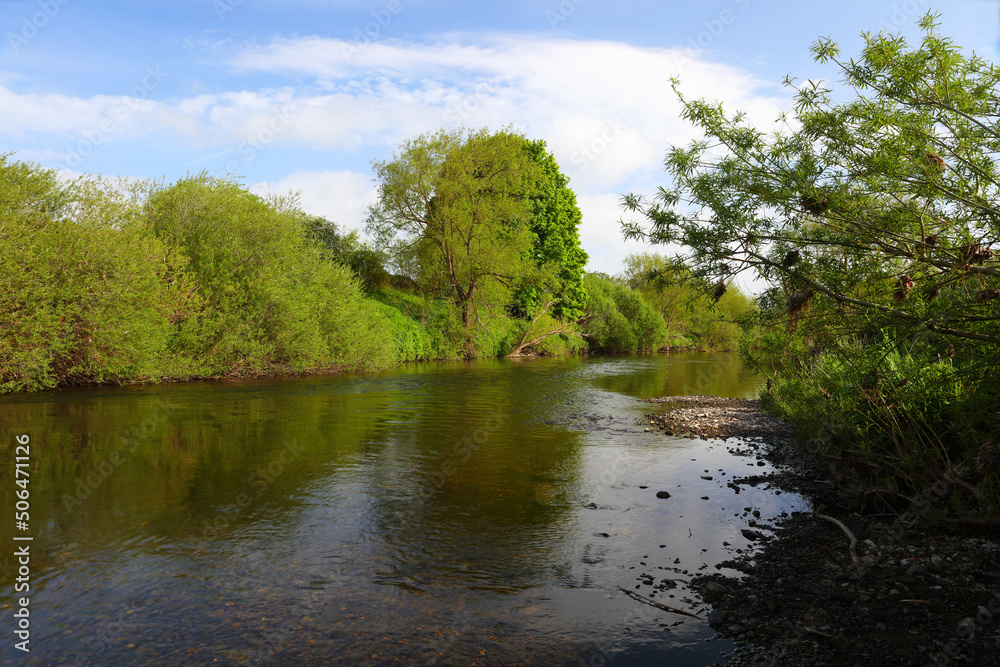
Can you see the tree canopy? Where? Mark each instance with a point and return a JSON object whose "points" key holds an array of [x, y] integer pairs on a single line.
{"points": [[555, 227], [884, 209], [485, 218], [875, 222]]}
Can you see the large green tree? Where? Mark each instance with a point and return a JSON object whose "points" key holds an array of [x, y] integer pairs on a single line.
{"points": [[486, 218], [555, 225], [875, 220]]}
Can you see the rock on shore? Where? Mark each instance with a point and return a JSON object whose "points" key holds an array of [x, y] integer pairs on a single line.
{"points": [[716, 417], [922, 596]]}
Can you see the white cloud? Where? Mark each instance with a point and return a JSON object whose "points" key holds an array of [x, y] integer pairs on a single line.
{"points": [[605, 109], [600, 233], [340, 196], [566, 91]]}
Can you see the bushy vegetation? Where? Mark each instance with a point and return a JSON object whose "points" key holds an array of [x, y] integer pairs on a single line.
{"points": [[475, 253], [693, 314], [125, 282], [267, 298], [875, 222], [619, 319], [88, 295]]}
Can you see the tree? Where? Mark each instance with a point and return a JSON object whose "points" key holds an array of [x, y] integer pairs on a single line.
{"points": [[348, 250], [696, 314], [555, 224], [461, 206], [876, 222], [619, 319], [269, 301], [875, 208]]}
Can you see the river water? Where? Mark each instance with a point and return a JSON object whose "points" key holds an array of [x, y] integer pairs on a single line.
{"points": [[481, 513]]}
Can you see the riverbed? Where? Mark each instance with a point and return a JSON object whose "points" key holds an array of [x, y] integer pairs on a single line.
{"points": [[476, 513]]}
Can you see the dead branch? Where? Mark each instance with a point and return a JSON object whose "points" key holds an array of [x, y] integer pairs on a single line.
{"points": [[656, 604], [853, 549], [566, 327]]}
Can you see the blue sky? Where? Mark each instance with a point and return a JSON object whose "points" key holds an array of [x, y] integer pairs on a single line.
{"points": [[301, 95]]}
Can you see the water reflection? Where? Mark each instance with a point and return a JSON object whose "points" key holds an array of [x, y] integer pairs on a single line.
{"points": [[471, 513]]}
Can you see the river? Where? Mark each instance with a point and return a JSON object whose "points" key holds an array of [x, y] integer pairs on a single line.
{"points": [[480, 513]]}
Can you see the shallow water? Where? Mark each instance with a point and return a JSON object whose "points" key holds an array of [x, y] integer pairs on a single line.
{"points": [[452, 513]]}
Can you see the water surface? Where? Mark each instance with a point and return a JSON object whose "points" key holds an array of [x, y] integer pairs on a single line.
{"points": [[481, 513]]}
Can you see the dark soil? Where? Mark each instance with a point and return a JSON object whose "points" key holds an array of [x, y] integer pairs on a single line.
{"points": [[919, 594]]}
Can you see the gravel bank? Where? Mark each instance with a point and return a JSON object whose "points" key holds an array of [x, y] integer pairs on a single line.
{"points": [[909, 594]]}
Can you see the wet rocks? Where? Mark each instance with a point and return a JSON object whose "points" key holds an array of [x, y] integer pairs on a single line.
{"points": [[925, 596], [715, 417]]}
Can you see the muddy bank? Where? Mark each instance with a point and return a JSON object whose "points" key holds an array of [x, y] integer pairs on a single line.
{"points": [[908, 593]]}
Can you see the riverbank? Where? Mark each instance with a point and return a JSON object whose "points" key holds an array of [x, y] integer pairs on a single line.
{"points": [[835, 587]]}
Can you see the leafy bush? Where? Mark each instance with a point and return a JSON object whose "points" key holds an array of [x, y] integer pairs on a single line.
{"points": [[88, 295], [619, 319], [907, 414], [271, 302], [693, 316]]}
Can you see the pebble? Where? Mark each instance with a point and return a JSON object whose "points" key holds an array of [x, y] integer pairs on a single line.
{"points": [[716, 588]]}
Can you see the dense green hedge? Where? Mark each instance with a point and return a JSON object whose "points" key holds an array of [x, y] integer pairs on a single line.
{"points": [[619, 319], [134, 281]]}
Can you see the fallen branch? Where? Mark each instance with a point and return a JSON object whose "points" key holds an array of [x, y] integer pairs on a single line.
{"points": [[818, 633], [959, 521], [847, 531], [656, 604]]}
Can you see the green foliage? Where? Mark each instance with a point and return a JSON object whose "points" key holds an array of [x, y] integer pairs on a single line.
{"points": [[460, 206], [693, 317], [905, 419], [876, 223], [437, 323], [486, 220], [555, 223], [619, 319], [270, 301], [87, 295], [365, 262], [131, 282]]}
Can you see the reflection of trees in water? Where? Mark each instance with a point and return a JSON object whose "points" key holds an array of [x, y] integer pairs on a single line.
{"points": [[481, 505]]}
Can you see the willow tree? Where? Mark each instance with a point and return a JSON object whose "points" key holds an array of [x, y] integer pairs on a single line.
{"points": [[874, 217], [461, 207]]}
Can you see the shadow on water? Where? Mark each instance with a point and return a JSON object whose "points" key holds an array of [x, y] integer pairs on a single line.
{"points": [[450, 513]]}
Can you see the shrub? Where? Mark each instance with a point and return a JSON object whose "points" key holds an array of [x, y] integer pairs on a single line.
{"points": [[88, 295], [619, 319]]}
